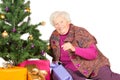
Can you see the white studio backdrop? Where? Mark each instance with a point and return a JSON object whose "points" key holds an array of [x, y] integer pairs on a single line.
{"points": [[100, 17]]}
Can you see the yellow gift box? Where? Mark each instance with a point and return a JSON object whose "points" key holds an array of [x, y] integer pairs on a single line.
{"points": [[15, 73]]}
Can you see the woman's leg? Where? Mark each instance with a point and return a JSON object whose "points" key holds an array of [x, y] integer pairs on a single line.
{"points": [[76, 75], [105, 73]]}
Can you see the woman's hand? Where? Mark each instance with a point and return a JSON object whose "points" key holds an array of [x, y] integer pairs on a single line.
{"points": [[68, 46]]}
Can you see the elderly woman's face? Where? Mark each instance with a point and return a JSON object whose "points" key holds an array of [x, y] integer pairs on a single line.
{"points": [[61, 24]]}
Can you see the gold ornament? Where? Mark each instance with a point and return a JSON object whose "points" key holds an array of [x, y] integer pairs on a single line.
{"points": [[27, 10], [48, 47], [43, 23], [2, 16], [36, 74], [8, 65], [30, 37], [4, 34]]}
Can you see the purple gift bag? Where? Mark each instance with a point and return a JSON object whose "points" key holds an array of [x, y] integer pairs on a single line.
{"points": [[60, 73]]}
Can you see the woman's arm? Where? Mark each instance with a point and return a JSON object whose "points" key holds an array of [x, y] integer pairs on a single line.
{"points": [[87, 53]]}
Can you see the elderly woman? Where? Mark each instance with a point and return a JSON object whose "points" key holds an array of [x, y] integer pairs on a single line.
{"points": [[76, 49]]}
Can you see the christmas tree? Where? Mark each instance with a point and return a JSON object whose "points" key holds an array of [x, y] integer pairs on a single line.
{"points": [[14, 23]]}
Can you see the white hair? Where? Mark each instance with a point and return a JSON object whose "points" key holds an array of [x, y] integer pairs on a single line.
{"points": [[59, 13]]}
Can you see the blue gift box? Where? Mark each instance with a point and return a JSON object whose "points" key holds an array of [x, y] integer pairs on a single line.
{"points": [[60, 73]]}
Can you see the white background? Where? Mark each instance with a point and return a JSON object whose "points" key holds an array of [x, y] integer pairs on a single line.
{"points": [[100, 17]]}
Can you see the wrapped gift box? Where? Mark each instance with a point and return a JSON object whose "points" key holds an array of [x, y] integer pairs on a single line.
{"points": [[42, 65], [15, 73], [60, 73]]}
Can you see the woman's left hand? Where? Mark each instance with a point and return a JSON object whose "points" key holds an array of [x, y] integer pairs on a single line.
{"points": [[68, 46]]}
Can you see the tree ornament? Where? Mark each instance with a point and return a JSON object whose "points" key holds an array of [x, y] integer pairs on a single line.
{"points": [[4, 34], [43, 23], [27, 10], [14, 30], [30, 37], [32, 46], [2, 16], [6, 9], [8, 64], [42, 52], [48, 47]]}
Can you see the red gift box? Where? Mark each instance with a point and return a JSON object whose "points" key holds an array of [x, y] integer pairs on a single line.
{"points": [[40, 64]]}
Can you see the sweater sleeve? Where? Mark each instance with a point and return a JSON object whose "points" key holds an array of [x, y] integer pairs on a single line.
{"points": [[89, 53]]}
